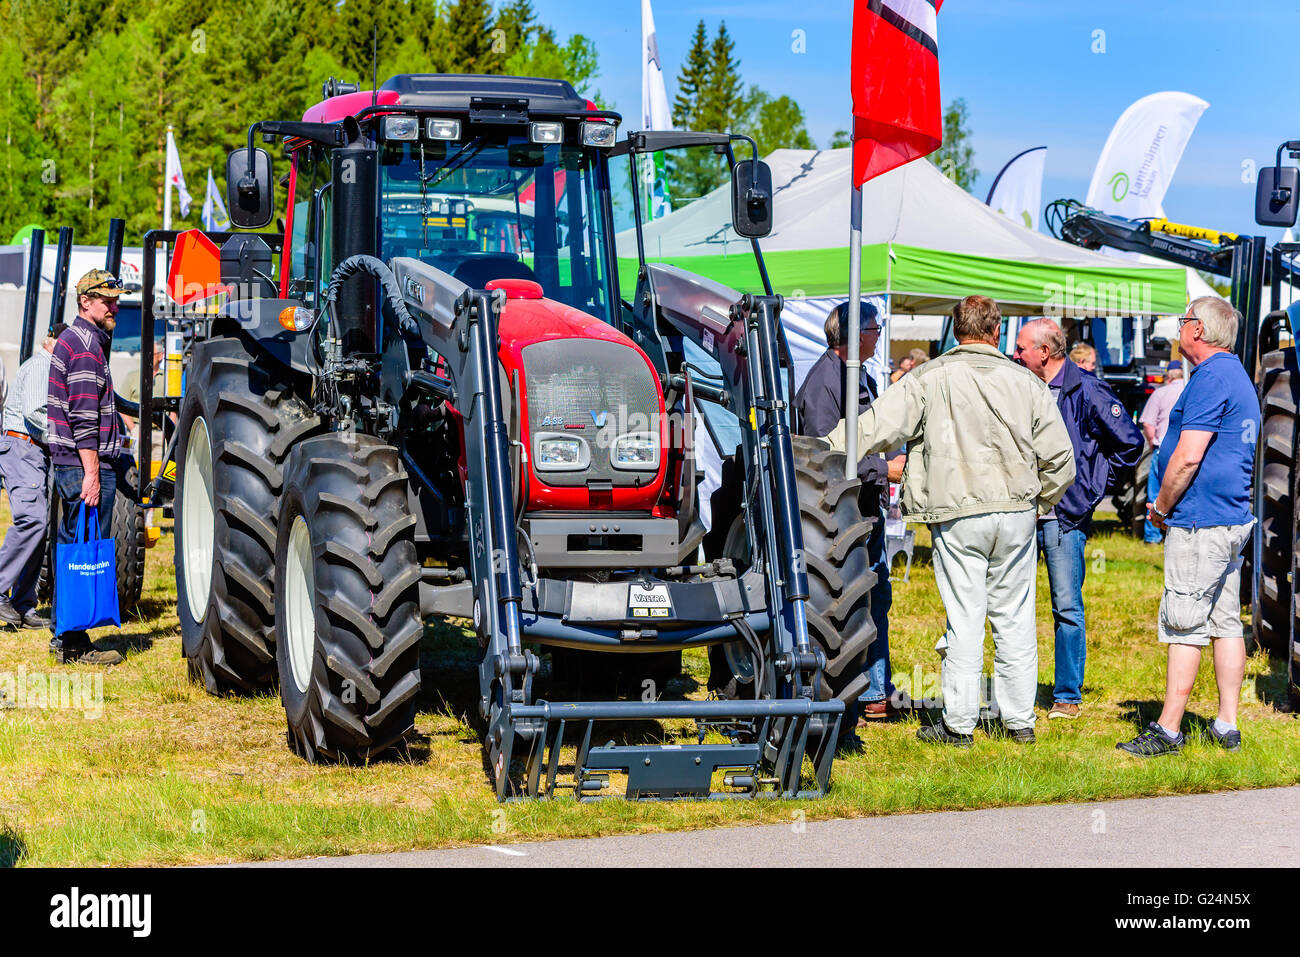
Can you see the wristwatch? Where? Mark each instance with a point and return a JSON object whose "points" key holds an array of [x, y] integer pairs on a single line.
{"points": [[1155, 510]]}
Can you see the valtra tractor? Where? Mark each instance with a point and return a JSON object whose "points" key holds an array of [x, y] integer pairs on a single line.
{"points": [[447, 405]]}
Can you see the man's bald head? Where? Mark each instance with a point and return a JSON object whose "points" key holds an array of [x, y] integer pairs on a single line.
{"points": [[1047, 332], [1040, 348]]}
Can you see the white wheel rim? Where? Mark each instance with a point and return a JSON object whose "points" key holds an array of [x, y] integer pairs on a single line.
{"points": [[198, 519], [300, 604]]}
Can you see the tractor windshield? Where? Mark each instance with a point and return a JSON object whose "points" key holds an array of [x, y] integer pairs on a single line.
{"points": [[500, 207]]}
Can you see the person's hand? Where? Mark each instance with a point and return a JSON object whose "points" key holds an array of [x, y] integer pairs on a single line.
{"points": [[90, 489], [895, 467], [1153, 518]]}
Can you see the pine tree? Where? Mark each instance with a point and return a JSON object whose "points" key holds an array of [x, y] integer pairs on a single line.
{"points": [[692, 81], [722, 99], [469, 38], [517, 22]]}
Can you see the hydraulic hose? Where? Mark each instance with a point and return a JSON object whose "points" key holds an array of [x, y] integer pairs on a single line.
{"points": [[396, 305]]}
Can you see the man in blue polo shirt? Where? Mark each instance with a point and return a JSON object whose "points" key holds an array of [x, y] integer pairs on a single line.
{"points": [[1204, 504]]}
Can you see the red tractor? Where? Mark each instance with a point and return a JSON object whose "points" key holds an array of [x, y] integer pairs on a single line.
{"points": [[450, 403]]}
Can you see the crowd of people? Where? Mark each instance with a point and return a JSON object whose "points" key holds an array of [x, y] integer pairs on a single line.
{"points": [[1006, 458]]}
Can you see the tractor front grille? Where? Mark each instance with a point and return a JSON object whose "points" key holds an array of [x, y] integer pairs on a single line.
{"points": [[595, 390]]}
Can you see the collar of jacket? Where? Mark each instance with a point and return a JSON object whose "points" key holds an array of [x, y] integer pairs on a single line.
{"points": [[104, 337], [1071, 378], [976, 348]]}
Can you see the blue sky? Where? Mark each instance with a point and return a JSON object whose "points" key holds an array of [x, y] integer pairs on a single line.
{"points": [[1027, 71]]}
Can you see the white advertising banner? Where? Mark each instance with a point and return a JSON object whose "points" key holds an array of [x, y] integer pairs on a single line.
{"points": [[1017, 192], [1139, 159]]}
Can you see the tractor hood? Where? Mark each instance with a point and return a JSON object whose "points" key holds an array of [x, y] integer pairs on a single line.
{"points": [[587, 406]]}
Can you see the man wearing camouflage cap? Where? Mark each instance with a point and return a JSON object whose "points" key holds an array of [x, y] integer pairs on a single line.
{"points": [[83, 434]]}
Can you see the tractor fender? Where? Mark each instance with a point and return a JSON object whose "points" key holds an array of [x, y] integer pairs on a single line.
{"points": [[258, 321]]}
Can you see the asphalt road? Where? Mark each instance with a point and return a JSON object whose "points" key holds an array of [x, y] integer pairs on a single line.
{"points": [[1235, 829]]}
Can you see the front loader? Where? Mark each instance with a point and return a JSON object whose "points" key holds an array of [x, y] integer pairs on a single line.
{"points": [[445, 408]]}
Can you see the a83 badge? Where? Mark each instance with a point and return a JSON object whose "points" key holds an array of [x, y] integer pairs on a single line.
{"points": [[646, 600]]}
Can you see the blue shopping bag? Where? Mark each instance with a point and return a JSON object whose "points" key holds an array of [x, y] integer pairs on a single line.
{"points": [[85, 578]]}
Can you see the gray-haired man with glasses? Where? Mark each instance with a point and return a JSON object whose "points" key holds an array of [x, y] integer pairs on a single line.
{"points": [[1206, 460]]}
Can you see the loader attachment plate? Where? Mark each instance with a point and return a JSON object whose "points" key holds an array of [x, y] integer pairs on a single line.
{"points": [[765, 758]]}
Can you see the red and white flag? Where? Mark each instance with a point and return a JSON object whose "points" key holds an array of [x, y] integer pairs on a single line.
{"points": [[175, 177], [895, 74]]}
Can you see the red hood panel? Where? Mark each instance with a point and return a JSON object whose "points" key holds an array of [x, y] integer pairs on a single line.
{"points": [[527, 321]]}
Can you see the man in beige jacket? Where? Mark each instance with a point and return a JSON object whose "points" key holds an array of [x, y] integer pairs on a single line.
{"points": [[987, 453]]}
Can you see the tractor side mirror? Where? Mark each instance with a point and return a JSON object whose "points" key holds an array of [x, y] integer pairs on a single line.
{"points": [[250, 191], [1277, 193], [751, 199]]}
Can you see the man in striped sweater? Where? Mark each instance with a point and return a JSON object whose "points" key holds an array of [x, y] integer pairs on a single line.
{"points": [[83, 434]]}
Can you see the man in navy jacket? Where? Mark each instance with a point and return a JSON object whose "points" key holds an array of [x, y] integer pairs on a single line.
{"points": [[1104, 438]]}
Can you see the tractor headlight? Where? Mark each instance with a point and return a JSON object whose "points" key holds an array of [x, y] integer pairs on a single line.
{"points": [[401, 128], [546, 132], [442, 128], [561, 453], [598, 134], [636, 451]]}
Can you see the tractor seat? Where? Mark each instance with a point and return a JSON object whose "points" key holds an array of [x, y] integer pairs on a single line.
{"points": [[477, 271]]}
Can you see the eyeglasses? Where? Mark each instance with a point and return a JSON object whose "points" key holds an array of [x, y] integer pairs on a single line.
{"points": [[106, 284], [1186, 319]]}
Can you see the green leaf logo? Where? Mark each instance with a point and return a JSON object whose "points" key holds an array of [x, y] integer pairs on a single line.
{"points": [[1119, 186]]}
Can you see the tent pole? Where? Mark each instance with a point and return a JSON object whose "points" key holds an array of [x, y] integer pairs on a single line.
{"points": [[853, 364]]}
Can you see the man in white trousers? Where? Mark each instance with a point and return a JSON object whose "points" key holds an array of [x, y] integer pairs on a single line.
{"points": [[988, 453]]}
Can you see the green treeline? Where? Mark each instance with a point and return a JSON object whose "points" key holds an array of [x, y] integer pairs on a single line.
{"points": [[87, 89]]}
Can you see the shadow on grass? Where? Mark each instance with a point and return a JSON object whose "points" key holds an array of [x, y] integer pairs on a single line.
{"points": [[12, 846], [1142, 713]]}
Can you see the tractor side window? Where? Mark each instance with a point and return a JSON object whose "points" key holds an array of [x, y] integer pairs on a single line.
{"points": [[684, 198], [310, 170]]}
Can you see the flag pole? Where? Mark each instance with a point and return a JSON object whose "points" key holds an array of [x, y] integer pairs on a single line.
{"points": [[167, 186], [853, 364]]}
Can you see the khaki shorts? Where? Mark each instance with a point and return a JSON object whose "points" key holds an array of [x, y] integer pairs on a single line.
{"points": [[1202, 597]]}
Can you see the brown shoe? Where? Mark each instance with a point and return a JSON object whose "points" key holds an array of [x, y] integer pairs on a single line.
{"points": [[876, 711], [1064, 709]]}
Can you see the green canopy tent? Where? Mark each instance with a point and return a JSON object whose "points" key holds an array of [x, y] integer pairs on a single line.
{"points": [[926, 244]]}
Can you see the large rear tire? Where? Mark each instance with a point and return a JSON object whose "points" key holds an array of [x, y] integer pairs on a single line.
{"points": [[129, 540], [347, 600], [1280, 387], [239, 420], [840, 576]]}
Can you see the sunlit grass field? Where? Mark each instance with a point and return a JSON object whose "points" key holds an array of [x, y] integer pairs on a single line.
{"points": [[163, 773]]}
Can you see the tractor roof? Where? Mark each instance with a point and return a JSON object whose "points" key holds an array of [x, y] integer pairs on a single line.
{"points": [[454, 93]]}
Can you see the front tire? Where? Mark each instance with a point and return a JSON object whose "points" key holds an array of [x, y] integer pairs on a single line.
{"points": [[239, 419], [836, 528], [347, 600]]}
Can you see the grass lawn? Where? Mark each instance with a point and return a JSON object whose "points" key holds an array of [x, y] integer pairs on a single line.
{"points": [[164, 773]]}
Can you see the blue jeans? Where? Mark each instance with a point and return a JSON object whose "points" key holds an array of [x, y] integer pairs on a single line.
{"points": [[882, 597], [1064, 553], [1150, 534], [67, 486]]}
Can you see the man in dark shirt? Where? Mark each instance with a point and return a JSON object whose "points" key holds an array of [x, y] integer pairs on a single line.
{"points": [[83, 436], [820, 402]]}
